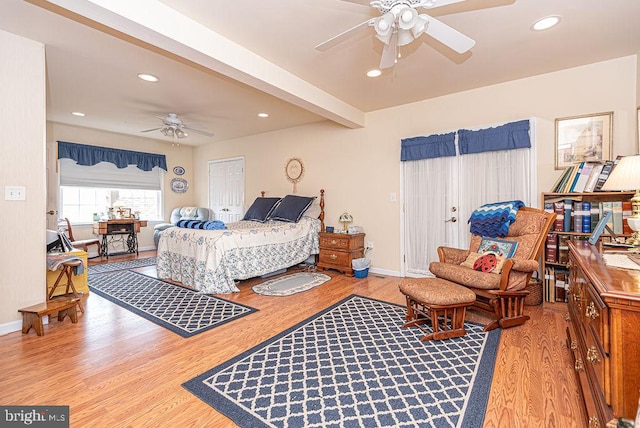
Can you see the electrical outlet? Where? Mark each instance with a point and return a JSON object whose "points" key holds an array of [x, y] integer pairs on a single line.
{"points": [[15, 193], [369, 245]]}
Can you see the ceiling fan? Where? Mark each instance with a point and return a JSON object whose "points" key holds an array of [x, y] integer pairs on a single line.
{"points": [[174, 127], [400, 24]]}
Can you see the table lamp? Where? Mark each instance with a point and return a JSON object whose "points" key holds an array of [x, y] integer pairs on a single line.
{"points": [[626, 176], [345, 219]]}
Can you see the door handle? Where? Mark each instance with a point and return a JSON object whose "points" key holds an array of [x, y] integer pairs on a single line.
{"points": [[52, 212], [452, 220], [224, 209]]}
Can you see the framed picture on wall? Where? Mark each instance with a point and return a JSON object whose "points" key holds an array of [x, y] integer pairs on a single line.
{"points": [[586, 138]]}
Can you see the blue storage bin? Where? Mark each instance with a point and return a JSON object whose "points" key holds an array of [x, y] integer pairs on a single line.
{"points": [[361, 273]]}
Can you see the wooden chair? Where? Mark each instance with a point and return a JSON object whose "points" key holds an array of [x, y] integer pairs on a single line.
{"points": [[84, 244], [500, 294]]}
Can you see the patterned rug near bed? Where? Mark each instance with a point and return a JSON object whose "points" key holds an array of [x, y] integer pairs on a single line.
{"points": [[176, 308], [127, 264], [354, 365]]}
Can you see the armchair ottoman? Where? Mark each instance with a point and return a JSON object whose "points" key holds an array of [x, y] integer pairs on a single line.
{"points": [[181, 213]]}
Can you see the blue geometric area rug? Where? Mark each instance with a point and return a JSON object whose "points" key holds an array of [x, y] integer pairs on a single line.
{"points": [[127, 264], [354, 365], [176, 308]]}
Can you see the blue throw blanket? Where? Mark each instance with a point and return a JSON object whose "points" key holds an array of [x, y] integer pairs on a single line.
{"points": [[493, 220], [200, 224]]}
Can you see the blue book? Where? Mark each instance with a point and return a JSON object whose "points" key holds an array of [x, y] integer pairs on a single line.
{"points": [[568, 215], [586, 217]]}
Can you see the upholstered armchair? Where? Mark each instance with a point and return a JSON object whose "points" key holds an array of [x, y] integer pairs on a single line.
{"points": [[501, 291], [181, 213]]}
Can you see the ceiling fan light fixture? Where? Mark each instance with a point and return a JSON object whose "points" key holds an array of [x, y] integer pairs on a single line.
{"points": [[404, 37], [420, 26], [407, 18], [384, 26], [180, 134]]}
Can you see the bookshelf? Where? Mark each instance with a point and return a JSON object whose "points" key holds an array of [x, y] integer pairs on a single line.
{"points": [[577, 214]]}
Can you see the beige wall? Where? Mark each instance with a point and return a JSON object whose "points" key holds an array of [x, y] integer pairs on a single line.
{"points": [[22, 119], [181, 155], [360, 168]]}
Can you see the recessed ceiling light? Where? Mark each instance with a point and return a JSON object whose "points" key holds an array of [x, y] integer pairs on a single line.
{"points": [[77, 113], [545, 23], [148, 77], [263, 114], [374, 73]]}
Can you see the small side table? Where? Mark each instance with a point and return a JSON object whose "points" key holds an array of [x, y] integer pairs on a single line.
{"points": [[337, 251]]}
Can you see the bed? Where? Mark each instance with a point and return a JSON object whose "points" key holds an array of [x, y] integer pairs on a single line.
{"points": [[210, 261]]}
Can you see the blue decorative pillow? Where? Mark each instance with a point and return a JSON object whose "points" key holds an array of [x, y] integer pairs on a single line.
{"points": [[261, 209], [291, 208], [500, 247]]}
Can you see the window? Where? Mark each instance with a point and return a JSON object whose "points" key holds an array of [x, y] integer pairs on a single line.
{"points": [[94, 179], [79, 204]]}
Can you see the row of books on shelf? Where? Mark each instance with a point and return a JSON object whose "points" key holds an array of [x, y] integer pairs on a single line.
{"points": [[583, 216], [556, 284], [585, 177]]}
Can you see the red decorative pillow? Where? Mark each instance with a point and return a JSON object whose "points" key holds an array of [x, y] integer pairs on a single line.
{"points": [[486, 263]]}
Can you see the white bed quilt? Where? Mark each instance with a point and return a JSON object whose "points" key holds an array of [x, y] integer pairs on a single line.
{"points": [[211, 260]]}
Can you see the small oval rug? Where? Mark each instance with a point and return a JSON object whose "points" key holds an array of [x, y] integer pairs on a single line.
{"points": [[290, 284]]}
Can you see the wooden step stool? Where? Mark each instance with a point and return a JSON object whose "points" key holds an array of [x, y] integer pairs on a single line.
{"points": [[67, 270], [32, 315]]}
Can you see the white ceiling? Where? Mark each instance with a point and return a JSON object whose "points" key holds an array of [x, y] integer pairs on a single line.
{"points": [[252, 56]]}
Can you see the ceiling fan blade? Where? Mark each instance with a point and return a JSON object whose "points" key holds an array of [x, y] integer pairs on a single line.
{"points": [[197, 131], [344, 35], [362, 2], [437, 3], [389, 52], [152, 129], [447, 35]]}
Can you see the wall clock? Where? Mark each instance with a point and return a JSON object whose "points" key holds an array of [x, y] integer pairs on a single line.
{"points": [[294, 170]]}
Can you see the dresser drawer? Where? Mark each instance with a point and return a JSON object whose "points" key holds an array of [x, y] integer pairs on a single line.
{"points": [[595, 315]]}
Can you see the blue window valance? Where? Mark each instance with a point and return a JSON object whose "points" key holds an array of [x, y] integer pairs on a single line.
{"points": [[514, 135], [433, 146], [92, 155]]}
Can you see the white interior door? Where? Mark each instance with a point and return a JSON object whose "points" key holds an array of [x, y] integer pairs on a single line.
{"points": [[226, 189]]}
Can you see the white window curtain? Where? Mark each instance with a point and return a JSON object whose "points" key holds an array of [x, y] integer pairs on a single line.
{"points": [[427, 192], [107, 175]]}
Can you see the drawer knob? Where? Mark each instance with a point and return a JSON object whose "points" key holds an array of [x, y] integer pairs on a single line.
{"points": [[594, 422], [334, 242], [567, 317], [579, 365], [591, 311], [592, 355], [574, 345], [333, 257]]}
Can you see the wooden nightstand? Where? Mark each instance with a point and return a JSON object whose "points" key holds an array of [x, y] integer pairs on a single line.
{"points": [[337, 250]]}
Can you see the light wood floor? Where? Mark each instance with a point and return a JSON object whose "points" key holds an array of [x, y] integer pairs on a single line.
{"points": [[116, 369]]}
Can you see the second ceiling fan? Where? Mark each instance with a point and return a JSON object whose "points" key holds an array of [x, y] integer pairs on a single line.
{"points": [[400, 24], [173, 126]]}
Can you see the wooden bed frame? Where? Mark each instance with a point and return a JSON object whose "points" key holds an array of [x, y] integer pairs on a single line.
{"points": [[320, 217]]}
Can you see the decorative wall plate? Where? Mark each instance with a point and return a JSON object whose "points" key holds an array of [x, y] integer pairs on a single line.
{"points": [[179, 185], [178, 170]]}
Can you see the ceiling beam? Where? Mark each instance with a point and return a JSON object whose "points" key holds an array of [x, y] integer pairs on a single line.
{"points": [[156, 24]]}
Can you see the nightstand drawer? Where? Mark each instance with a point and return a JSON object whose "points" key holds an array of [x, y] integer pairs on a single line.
{"points": [[335, 258], [334, 242]]}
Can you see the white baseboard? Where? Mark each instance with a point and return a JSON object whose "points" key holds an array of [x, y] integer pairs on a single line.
{"points": [[384, 272], [13, 326]]}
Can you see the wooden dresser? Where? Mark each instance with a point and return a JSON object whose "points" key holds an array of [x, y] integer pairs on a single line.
{"points": [[337, 250], [604, 335]]}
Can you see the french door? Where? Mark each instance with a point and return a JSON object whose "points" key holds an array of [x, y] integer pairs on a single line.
{"points": [[440, 194], [226, 189]]}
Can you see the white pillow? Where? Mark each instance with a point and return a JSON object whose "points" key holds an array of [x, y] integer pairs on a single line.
{"points": [[313, 211]]}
